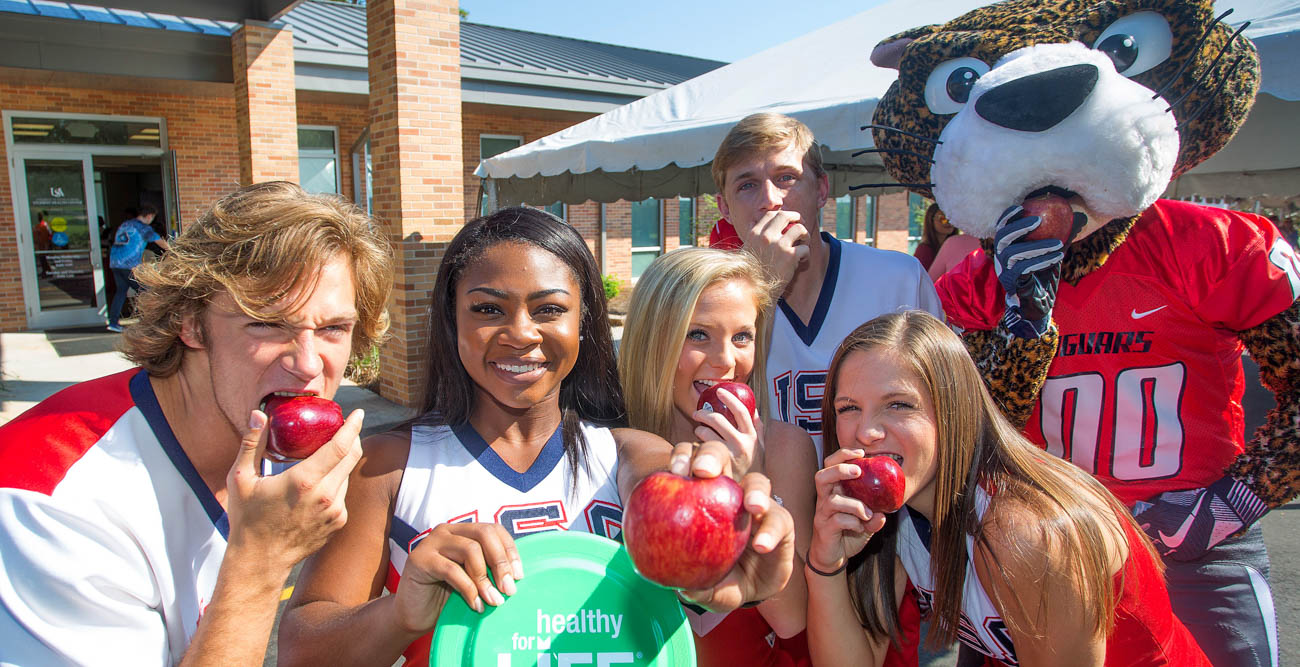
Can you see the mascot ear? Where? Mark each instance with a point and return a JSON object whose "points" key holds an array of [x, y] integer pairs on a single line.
{"points": [[889, 52]]}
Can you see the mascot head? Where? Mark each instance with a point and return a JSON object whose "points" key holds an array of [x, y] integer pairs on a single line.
{"points": [[1100, 102]]}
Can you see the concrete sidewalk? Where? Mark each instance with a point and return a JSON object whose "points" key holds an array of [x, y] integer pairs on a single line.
{"points": [[34, 366]]}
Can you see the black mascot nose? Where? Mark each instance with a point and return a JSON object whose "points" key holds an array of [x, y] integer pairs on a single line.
{"points": [[1039, 101]]}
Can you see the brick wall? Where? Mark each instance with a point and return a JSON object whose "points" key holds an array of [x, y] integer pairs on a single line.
{"points": [[417, 141], [891, 221], [618, 236], [585, 218], [265, 103]]}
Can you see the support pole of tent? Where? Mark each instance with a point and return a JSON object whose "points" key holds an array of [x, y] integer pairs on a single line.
{"points": [[488, 192], [602, 239]]}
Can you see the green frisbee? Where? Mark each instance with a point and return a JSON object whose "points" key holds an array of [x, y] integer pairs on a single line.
{"points": [[580, 603]]}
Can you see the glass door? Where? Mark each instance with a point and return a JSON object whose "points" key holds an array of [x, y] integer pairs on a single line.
{"points": [[62, 281]]}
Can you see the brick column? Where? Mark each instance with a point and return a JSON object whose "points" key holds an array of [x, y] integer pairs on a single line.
{"points": [[891, 221], [415, 139], [266, 106]]}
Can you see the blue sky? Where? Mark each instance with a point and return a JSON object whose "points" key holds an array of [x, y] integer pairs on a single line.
{"points": [[726, 30]]}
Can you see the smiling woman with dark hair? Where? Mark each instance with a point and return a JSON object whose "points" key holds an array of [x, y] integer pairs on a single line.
{"points": [[514, 437]]}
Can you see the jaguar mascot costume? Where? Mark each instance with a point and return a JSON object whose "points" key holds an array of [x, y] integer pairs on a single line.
{"points": [[1114, 336]]}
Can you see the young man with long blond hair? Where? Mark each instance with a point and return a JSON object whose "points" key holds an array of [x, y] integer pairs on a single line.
{"points": [[135, 527]]}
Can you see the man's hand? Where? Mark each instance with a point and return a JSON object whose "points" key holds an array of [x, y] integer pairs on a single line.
{"points": [[1185, 524], [765, 565], [778, 241], [282, 519], [1030, 272]]}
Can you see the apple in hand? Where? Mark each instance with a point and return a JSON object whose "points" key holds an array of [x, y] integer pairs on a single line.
{"points": [[880, 486], [710, 401], [685, 532], [1056, 215], [299, 425]]}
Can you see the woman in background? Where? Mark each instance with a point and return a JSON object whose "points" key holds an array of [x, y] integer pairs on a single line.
{"points": [[942, 245]]}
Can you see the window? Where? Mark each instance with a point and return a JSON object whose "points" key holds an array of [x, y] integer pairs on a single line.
{"points": [[318, 159], [647, 239], [844, 218], [558, 210], [916, 205], [85, 130], [363, 191], [492, 145], [685, 221], [869, 225]]}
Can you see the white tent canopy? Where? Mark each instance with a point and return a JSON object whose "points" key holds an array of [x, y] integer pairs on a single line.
{"points": [[662, 145]]}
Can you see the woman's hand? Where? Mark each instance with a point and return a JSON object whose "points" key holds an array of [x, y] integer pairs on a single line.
{"points": [[456, 556], [765, 566], [744, 440], [842, 525]]}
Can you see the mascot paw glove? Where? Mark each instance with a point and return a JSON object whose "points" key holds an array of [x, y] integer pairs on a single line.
{"points": [[1029, 271], [1186, 524]]}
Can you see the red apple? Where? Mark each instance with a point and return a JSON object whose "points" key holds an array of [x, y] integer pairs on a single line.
{"points": [[685, 532], [881, 485], [1056, 215], [709, 400], [300, 425]]}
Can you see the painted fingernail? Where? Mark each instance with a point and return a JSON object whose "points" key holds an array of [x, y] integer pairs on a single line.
{"points": [[679, 466], [494, 596], [707, 463], [764, 542], [476, 604], [755, 498], [256, 420], [508, 584], [519, 569]]}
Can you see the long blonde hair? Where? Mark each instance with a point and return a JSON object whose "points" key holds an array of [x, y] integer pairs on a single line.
{"points": [[659, 316], [975, 445]]}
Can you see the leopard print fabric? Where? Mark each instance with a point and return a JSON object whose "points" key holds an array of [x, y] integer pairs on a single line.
{"points": [[1270, 466], [1014, 369]]}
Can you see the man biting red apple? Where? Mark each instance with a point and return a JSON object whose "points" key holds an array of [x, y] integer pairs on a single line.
{"points": [[260, 296]]}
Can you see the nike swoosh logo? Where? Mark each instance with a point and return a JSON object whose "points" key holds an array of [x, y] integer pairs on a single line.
{"points": [[1137, 316], [1175, 540]]}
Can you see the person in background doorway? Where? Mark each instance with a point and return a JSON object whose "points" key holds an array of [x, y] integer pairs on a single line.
{"points": [[128, 248]]}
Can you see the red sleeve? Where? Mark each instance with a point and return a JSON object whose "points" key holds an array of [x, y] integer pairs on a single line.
{"points": [[1241, 270], [724, 236], [924, 254], [907, 653], [970, 294]]}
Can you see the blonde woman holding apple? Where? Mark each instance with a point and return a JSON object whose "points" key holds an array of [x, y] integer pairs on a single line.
{"points": [[700, 317]]}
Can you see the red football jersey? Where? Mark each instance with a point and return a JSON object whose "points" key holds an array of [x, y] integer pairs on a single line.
{"points": [[1145, 390]]}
